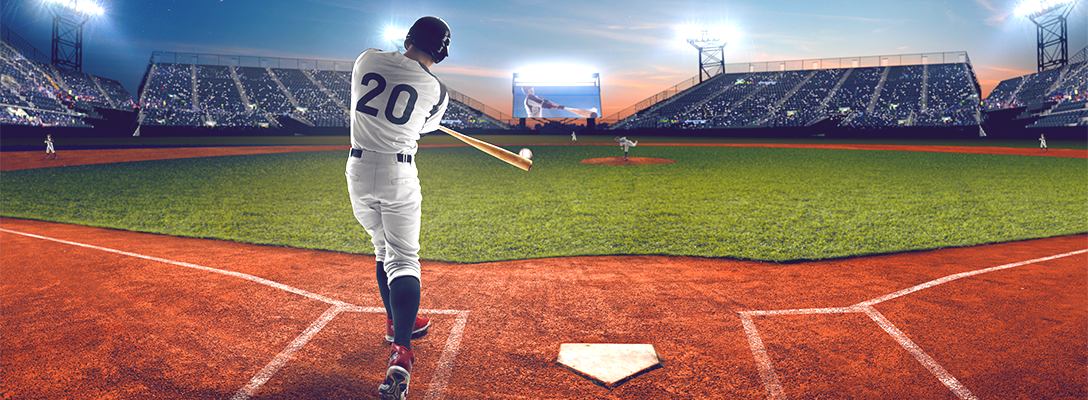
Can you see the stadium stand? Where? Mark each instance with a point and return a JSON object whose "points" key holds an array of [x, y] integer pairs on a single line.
{"points": [[1054, 86], [1073, 113], [36, 93], [865, 97], [950, 99], [195, 95], [806, 103]]}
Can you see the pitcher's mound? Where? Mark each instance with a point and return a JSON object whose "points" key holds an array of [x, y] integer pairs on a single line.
{"points": [[630, 161]]}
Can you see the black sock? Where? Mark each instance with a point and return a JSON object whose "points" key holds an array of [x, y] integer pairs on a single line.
{"points": [[383, 288], [404, 299]]}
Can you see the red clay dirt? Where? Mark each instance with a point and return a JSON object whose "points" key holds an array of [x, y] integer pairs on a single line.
{"points": [[628, 161], [92, 313]]}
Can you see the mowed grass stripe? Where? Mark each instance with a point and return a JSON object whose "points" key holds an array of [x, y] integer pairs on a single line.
{"points": [[749, 203]]}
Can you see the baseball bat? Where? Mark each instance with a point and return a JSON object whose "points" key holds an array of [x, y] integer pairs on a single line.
{"points": [[591, 113], [495, 151]]}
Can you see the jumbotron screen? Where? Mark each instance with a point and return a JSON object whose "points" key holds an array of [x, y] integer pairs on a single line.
{"points": [[557, 96]]}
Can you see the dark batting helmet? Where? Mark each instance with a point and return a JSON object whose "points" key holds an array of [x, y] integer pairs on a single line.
{"points": [[430, 35]]}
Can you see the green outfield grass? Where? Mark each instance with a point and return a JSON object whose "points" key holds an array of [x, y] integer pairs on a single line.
{"points": [[64, 143], [749, 203]]}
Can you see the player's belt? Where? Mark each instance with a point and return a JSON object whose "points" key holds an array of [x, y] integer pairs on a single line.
{"points": [[404, 158]]}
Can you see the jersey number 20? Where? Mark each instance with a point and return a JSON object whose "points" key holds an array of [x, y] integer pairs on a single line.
{"points": [[361, 105]]}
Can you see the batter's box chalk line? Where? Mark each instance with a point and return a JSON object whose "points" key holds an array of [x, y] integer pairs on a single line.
{"points": [[435, 391], [773, 385]]}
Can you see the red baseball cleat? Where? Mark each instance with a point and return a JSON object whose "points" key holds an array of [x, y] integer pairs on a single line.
{"points": [[418, 330], [398, 375]]}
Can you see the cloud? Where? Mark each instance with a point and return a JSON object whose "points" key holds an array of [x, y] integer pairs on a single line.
{"points": [[1000, 69], [844, 17], [997, 17]]}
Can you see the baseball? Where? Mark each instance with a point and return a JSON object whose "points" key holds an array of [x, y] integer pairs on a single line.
{"points": [[526, 153]]}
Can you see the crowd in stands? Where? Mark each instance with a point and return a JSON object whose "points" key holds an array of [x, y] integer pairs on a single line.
{"points": [[461, 116], [951, 97], [1053, 86], [199, 95], [804, 105], [933, 95], [1072, 113], [39, 94]]}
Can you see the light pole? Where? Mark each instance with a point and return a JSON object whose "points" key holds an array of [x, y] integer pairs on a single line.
{"points": [[711, 54], [1052, 41], [68, 19]]}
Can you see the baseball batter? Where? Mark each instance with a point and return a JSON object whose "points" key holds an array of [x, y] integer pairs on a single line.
{"points": [[626, 144], [49, 146], [396, 100], [534, 105]]}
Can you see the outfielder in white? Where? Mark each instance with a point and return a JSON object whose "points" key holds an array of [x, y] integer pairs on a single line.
{"points": [[626, 144], [1042, 143], [49, 146], [395, 100]]}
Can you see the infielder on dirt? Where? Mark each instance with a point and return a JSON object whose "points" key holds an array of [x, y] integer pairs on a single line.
{"points": [[395, 100]]}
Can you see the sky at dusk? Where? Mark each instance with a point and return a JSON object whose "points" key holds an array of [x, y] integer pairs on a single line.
{"points": [[634, 45]]}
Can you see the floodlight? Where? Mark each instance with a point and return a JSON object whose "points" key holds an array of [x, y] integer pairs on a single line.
{"points": [[1035, 8], [86, 8], [395, 34], [1049, 17], [711, 45], [68, 19]]}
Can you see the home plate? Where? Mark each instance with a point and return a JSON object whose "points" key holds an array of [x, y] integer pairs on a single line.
{"points": [[607, 363]]}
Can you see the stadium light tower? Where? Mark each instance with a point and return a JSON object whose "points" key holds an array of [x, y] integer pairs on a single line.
{"points": [[711, 52], [68, 19], [1049, 17]]}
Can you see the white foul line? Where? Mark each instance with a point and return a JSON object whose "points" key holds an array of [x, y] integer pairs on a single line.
{"points": [[286, 355], [766, 370], [770, 379], [247, 277], [437, 388], [934, 368], [951, 278]]}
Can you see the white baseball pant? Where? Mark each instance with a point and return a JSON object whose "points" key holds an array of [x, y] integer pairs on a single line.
{"points": [[386, 199]]}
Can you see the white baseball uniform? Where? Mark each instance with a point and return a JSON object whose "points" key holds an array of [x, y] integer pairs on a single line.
{"points": [[535, 104], [394, 100], [626, 145], [49, 146]]}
